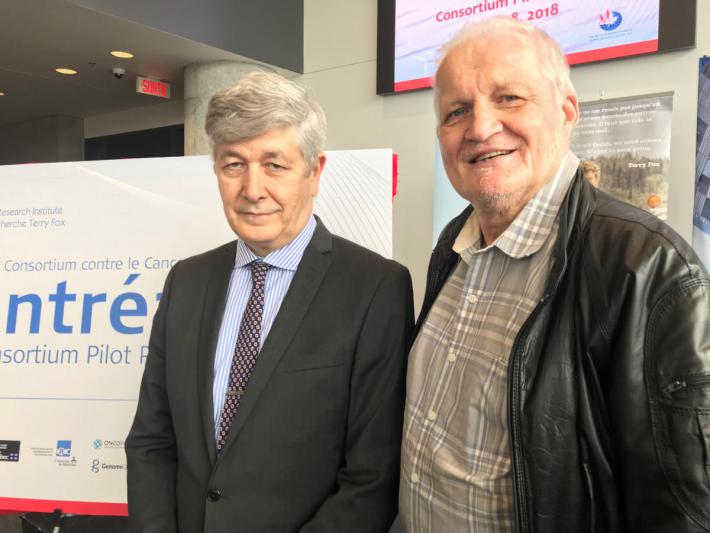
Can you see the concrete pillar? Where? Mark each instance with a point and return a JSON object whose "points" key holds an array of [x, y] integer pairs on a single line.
{"points": [[202, 80]]}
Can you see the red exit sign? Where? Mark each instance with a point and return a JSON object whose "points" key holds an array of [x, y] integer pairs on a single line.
{"points": [[152, 87]]}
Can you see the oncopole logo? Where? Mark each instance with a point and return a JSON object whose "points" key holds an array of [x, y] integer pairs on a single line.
{"points": [[107, 444], [610, 20]]}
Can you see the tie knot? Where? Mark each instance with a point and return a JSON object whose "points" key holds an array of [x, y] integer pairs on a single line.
{"points": [[258, 271]]}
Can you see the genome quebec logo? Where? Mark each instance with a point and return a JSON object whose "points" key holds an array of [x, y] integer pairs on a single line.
{"points": [[98, 466], [610, 20], [10, 450]]}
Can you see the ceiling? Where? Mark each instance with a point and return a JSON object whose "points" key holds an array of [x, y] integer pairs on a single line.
{"points": [[37, 36]]}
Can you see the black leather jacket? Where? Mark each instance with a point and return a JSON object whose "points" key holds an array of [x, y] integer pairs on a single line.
{"points": [[609, 378]]}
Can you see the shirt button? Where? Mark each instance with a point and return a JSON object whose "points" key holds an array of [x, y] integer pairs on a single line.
{"points": [[452, 356], [415, 478], [214, 495], [431, 415], [472, 298]]}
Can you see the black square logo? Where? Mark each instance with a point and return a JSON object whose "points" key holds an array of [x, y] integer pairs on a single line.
{"points": [[10, 450]]}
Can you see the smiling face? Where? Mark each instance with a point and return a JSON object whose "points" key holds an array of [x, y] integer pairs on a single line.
{"points": [[267, 191], [503, 127]]}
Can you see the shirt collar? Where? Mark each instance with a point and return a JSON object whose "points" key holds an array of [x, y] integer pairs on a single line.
{"points": [[287, 257], [533, 225]]}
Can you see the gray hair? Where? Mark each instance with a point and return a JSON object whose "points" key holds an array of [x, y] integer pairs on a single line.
{"points": [[552, 60], [263, 101]]}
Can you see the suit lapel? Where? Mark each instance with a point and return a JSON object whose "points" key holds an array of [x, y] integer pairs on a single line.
{"points": [[213, 310], [305, 284]]}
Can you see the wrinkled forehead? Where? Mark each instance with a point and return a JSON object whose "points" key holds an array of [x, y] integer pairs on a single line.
{"points": [[490, 62], [490, 50]]}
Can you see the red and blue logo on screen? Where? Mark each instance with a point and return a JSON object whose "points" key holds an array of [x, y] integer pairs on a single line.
{"points": [[610, 20]]}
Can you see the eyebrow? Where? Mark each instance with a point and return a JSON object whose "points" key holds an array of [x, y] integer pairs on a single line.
{"points": [[274, 154], [511, 85], [230, 153], [266, 155], [457, 102]]}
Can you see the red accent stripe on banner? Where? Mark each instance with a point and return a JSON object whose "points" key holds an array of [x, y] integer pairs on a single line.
{"points": [[410, 85], [395, 174], [67, 507], [644, 47]]}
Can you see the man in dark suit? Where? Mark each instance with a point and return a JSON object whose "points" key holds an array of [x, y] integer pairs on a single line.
{"points": [[272, 397]]}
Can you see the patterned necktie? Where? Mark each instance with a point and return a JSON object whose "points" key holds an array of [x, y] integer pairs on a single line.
{"points": [[245, 351]]}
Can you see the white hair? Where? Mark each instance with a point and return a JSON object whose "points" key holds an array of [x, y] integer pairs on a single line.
{"points": [[552, 62], [262, 101]]}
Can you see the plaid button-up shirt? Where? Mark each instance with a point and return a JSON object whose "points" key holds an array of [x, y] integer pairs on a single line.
{"points": [[456, 474]]}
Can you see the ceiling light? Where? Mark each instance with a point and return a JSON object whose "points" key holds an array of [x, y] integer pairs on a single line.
{"points": [[121, 54], [67, 71]]}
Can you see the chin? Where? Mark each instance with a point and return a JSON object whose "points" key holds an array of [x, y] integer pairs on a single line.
{"points": [[497, 201], [250, 232], [257, 237]]}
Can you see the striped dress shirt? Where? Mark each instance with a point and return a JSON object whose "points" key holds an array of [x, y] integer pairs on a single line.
{"points": [[456, 464], [284, 263]]}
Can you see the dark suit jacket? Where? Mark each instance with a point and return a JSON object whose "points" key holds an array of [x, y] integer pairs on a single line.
{"points": [[315, 444]]}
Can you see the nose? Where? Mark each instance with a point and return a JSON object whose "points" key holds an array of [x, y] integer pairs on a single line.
{"points": [[484, 122], [253, 184]]}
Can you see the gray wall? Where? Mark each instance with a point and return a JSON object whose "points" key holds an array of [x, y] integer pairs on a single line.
{"points": [[265, 30], [44, 140]]}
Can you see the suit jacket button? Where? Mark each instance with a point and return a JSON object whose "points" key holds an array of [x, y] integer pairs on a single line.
{"points": [[214, 495]]}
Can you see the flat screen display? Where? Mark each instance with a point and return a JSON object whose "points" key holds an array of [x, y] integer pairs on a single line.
{"points": [[587, 30]]}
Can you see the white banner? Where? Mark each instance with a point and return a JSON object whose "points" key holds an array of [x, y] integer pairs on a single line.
{"points": [[84, 250]]}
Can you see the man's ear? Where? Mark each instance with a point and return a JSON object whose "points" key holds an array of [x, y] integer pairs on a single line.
{"points": [[316, 171], [570, 109]]}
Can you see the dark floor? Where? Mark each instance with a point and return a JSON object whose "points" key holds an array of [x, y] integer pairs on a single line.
{"points": [[45, 522], [10, 523]]}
